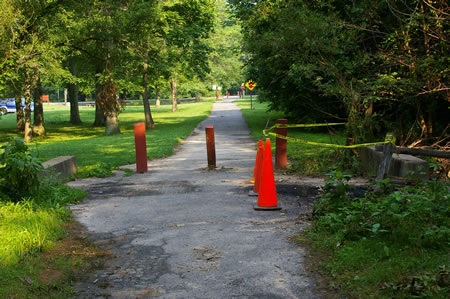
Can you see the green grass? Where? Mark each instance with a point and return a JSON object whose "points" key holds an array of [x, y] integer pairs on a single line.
{"points": [[387, 244], [364, 269], [29, 229], [26, 228], [38, 259], [30, 225], [407, 258], [304, 159], [97, 154]]}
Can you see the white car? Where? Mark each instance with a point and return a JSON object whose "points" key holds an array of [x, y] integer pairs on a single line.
{"points": [[10, 105]]}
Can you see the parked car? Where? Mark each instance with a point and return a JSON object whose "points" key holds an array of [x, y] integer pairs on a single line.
{"points": [[10, 105]]}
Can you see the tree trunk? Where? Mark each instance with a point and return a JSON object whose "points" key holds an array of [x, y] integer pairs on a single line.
{"points": [[38, 125], [149, 124], [100, 119], [158, 97], [112, 124], [173, 87], [424, 125], [73, 97], [20, 124], [27, 94], [111, 107], [430, 122]]}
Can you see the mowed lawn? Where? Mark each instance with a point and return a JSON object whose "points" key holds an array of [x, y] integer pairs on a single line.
{"points": [[303, 158], [92, 149]]}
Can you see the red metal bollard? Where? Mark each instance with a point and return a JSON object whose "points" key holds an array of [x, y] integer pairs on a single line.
{"points": [[141, 147], [281, 145], [210, 146]]}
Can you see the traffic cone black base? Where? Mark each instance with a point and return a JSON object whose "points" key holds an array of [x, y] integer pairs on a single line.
{"points": [[252, 193], [258, 208]]}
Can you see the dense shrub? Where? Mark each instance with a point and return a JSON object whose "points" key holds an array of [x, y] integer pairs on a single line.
{"points": [[19, 170], [418, 215], [388, 242]]}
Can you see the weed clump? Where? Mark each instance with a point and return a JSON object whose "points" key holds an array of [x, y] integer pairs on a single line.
{"points": [[390, 241], [32, 207], [19, 170]]}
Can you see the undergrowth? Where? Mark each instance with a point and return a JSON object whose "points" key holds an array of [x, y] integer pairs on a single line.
{"points": [[32, 215], [392, 242]]}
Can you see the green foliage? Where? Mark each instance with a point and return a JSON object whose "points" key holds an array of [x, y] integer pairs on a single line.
{"points": [[97, 154], [226, 58], [30, 222], [99, 170], [390, 242], [423, 209], [127, 171], [380, 65], [303, 158], [28, 226], [428, 285], [55, 195], [335, 190], [19, 170], [25, 229]]}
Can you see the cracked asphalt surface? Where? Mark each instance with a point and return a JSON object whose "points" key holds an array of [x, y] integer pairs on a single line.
{"points": [[182, 231]]}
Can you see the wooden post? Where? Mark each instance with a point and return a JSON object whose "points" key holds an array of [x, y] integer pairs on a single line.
{"points": [[416, 151], [281, 145], [210, 146], [385, 162], [141, 147]]}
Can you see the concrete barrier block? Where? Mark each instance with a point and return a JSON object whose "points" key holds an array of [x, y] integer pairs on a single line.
{"points": [[401, 165], [412, 164], [63, 166]]}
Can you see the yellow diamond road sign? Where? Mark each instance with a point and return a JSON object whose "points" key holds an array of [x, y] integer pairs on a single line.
{"points": [[250, 84]]}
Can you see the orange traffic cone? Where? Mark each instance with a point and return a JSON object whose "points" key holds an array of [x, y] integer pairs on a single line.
{"points": [[267, 197], [257, 174], [252, 181]]}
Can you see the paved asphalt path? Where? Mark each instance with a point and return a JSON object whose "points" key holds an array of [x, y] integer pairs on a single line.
{"points": [[182, 231]]}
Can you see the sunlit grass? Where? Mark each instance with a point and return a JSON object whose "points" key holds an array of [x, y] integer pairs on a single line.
{"points": [[30, 229], [25, 229], [91, 147]]}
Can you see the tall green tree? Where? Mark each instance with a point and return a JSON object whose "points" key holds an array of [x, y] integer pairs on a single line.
{"points": [[189, 24], [226, 58], [144, 43], [380, 65], [30, 48]]}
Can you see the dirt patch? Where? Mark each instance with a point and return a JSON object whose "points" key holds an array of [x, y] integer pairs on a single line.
{"points": [[70, 257], [50, 276]]}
